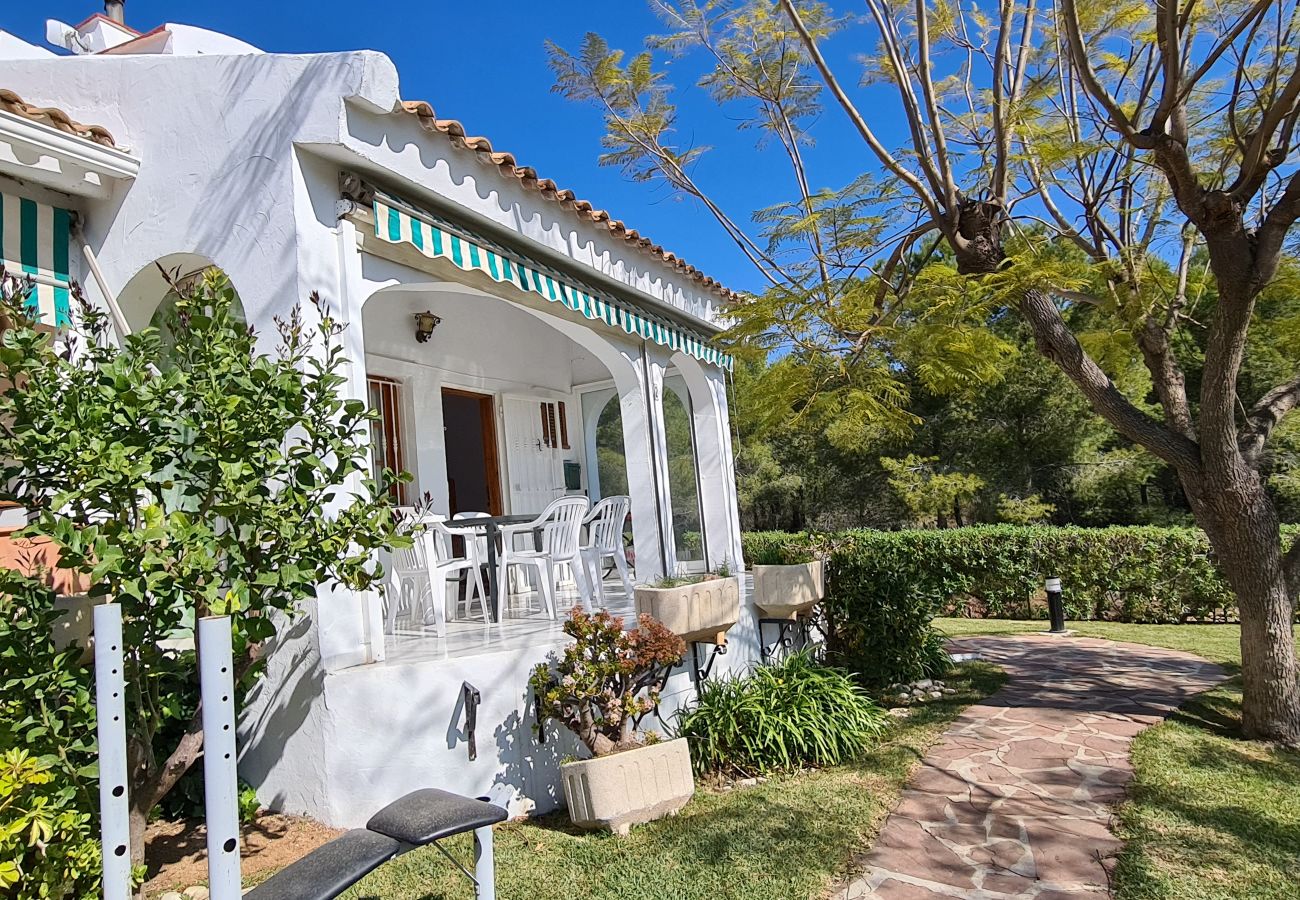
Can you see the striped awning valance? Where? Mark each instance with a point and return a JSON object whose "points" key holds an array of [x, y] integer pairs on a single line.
{"points": [[34, 240], [397, 223]]}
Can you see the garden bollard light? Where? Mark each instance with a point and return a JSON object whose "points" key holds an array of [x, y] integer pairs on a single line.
{"points": [[1055, 606]]}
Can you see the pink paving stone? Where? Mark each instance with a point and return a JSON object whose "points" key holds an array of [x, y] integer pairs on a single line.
{"points": [[908, 849], [1016, 800], [899, 890]]}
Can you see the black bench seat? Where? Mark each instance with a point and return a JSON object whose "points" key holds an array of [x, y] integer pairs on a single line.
{"points": [[420, 818], [330, 869], [424, 816]]}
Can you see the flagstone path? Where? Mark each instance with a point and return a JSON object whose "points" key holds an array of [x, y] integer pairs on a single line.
{"points": [[1016, 800]]}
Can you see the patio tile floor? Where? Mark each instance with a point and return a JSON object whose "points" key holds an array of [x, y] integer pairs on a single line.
{"points": [[1016, 800]]}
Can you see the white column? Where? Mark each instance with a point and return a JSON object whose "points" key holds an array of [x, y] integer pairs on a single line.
{"points": [[350, 624]]}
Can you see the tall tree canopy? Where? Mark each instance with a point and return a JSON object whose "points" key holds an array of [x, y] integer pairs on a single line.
{"points": [[1120, 175]]}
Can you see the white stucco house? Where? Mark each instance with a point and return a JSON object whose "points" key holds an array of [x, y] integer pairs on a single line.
{"points": [[570, 350]]}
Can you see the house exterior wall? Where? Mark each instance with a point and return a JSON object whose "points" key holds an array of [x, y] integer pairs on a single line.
{"points": [[241, 156]]}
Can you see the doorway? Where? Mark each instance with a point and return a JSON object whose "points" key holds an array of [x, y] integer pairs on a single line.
{"points": [[470, 442]]}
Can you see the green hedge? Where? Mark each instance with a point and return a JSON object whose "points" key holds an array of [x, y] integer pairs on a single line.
{"points": [[884, 587]]}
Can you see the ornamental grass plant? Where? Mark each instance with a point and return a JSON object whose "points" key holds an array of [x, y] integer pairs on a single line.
{"points": [[795, 714]]}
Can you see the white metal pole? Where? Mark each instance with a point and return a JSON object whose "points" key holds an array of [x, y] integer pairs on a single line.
{"points": [[220, 781], [110, 300], [485, 875], [110, 710]]}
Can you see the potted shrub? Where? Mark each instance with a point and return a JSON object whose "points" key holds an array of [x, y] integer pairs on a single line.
{"points": [[598, 688], [788, 591], [696, 608]]}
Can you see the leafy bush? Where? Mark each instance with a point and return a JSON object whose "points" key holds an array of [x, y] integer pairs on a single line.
{"points": [[935, 661], [884, 588], [605, 678], [1124, 574], [188, 473], [775, 718], [48, 770], [48, 847]]}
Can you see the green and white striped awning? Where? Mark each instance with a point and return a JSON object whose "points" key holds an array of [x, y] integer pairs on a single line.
{"points": [[34, 240], [396, 224]]}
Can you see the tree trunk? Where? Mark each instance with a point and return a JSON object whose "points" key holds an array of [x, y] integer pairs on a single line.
{"points": [[138, 820], [1242, 526], [1227, 497]]}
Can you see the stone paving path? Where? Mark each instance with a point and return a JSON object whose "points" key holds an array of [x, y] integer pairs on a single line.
{"points": [[1016, 800]]}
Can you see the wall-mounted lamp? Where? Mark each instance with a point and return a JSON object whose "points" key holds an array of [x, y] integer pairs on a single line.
{"points": [[425, 322]]}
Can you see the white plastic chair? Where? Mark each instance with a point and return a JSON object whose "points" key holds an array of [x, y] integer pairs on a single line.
{"points": [[561, 529], [605, 539], [429, 562], [475, 541]]}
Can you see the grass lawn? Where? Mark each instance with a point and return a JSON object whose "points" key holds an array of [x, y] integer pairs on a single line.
{"points": [[1210, 816], [783, 839]]}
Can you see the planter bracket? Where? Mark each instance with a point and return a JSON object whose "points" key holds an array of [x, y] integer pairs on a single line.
{"points": [[703, 674], [786, 629], [660, 686]]}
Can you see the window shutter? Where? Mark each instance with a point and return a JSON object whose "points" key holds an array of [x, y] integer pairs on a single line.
{"points": [[564, 425], [550, 414], [546, 425]]}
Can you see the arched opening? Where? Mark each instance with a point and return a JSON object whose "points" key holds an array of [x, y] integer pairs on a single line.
{"points": [[683, 474], [501, 410], [149, 298], [606, 443]]}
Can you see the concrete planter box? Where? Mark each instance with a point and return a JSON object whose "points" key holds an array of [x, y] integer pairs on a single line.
{"points": [[787, 592], [702, 611], [628, 788]]}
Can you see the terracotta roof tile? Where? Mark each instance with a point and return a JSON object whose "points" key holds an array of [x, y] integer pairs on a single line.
{"points": [[528, 178], [55, 118]]}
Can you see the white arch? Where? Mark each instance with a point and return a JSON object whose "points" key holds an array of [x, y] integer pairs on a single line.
{"points": [[147, 288], [647, 472]]}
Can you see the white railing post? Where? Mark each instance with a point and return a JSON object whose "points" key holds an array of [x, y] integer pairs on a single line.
{"points": [[220, 781], [110, 711]]}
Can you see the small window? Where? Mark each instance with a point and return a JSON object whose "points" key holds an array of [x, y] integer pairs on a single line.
{"points": [[386, 432]]}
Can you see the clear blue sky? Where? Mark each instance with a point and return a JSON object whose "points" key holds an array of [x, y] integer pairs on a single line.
{"points": [[484, 63]]}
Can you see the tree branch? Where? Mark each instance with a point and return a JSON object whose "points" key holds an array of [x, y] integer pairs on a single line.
{"points": [[1155, 341], [1055, 341], [932, 106], [1264, 416], [1079, 53], [837, 91], [1272, 233], [1259, 158]]}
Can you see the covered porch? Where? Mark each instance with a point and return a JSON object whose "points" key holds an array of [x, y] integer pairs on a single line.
{"points": [[502, 385]]}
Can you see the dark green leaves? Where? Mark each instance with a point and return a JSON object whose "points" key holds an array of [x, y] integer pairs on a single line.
{"points": [[791, 715]]}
